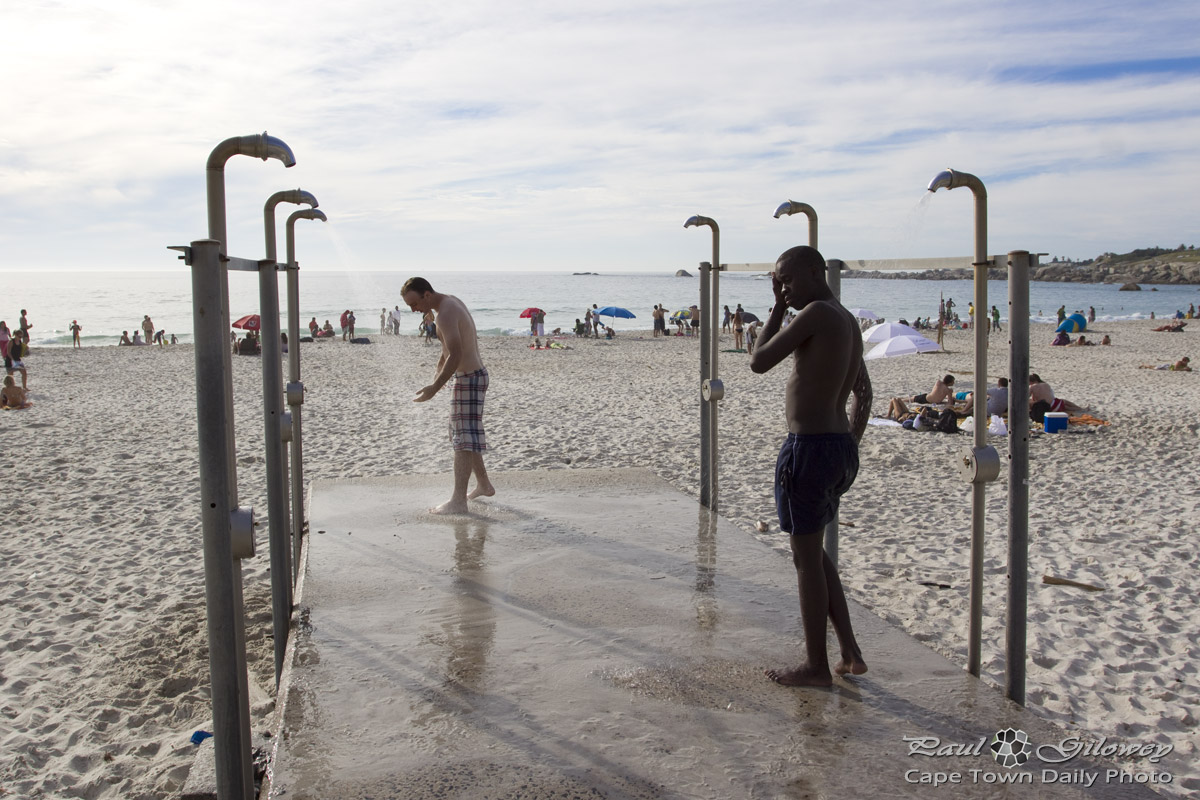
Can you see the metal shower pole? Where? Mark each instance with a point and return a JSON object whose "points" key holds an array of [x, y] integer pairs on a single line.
{"points": [[981, 464], [259, 145], [1020, 264], [711, 388], [273, 426], [295, 389], [227, 529]]}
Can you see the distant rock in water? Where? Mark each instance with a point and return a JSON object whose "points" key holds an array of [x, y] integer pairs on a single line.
{"points": [[682, 273], [585, 273], [1130, 287]]}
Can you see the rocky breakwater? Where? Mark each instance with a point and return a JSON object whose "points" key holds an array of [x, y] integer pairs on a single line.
{"points": [[1176, 268]]}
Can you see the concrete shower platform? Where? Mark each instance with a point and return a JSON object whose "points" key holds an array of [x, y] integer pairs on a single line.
{"points": [[598, 634]]}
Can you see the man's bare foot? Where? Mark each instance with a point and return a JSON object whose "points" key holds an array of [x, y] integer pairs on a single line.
{"points": [[450, 507], [482, 491], [800, 676], [851, 666]]}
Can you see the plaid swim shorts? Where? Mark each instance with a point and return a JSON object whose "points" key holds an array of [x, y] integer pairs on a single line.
{"points": [[466, 411]]}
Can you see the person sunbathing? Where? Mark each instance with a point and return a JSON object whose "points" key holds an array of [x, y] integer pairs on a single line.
{"points": [[1171, 327], [1179, 366], [897, 410], [1061, 340], [1081, 342], [1106, 340], [941, 392]]}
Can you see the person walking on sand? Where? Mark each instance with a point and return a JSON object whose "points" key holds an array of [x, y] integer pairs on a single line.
{"points": [[819, 459], [148, 328], [460, 360], [75, 329]]}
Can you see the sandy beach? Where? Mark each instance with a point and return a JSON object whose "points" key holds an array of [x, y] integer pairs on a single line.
{"points": [[104, 671]]}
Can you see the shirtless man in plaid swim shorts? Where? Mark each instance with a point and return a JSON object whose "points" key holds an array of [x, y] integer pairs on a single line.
{"points": [[460, 360]]}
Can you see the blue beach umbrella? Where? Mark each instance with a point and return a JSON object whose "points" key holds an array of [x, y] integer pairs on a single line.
{"points": [[616, 312]]}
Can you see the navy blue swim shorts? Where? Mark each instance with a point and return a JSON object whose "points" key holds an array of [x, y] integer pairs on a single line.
{"points": [[812, 473]]}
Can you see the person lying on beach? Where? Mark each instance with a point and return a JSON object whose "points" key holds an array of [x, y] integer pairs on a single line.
{"points": [[1042, 399], [898, 411], [997, 400], [13, 396], [1106, 340], [1179, 366], [941, 392], [1081, 342], [1061, 339], [1171, 327]]}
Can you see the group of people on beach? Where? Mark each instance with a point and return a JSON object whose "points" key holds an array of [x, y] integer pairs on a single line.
{"points": [[152, 336], [14, 345], [912, 412]]}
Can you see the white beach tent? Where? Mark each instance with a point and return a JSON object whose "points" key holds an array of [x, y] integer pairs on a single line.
{"points": [[886, 330], [902, 346]]}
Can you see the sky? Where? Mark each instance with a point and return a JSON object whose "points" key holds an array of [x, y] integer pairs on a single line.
{"points": [[579, 136]]}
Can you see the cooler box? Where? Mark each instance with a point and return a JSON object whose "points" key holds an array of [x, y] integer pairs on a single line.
{"points": [[1056, 421]]}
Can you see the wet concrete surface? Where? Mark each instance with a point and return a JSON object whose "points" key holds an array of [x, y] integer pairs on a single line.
{"points": [[597, 634]]}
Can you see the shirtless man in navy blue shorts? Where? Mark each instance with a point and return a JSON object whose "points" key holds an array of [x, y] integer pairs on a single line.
{"points": [[819, 460]]}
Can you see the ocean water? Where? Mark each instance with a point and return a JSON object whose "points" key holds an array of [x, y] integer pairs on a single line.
{"points": [[106, 303]]}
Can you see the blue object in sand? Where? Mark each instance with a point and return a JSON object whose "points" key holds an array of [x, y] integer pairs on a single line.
{"points": [[200, 736], [1054, 422], [1072, 324]]}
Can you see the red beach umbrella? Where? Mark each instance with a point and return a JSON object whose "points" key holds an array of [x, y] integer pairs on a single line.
{"points": [[529, 312], [250, 322]]}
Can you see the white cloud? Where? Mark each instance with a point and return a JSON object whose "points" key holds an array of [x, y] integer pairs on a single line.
{"points": [[538, 135]]}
